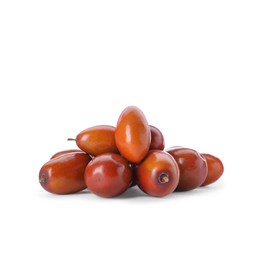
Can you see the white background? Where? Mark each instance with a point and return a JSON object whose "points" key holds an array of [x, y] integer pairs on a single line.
{"points": [[193, 67]]}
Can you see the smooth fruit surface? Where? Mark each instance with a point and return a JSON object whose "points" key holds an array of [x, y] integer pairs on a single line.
{"points": [[97, 140], [158, 174], [193, 168], [108, 175], [133, 134], [64, 174], [157, 139], [215, 168], [58, 154]]}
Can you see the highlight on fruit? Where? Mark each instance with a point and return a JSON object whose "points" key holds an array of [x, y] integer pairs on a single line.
{"points": [[110, 160]]}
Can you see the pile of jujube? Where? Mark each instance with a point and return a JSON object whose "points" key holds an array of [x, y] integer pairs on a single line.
{"points": [[111, 160]]}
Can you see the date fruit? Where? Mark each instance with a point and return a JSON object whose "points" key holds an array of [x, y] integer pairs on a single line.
{"points": [[133, 134], [157, 139], [108, 175], [97, 140], [215, 168], [64, 174], [193, 168], [158, 174]]}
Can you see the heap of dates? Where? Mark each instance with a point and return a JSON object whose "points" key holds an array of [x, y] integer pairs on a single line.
{"points": [[111, 160]]}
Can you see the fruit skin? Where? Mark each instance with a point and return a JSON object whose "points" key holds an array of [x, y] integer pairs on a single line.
{"points": [[97, 140], [151, 173], [193, 168], [108, 175], [58, 154], [133, 134], [64, 174], [157, 139], [215, 168]]}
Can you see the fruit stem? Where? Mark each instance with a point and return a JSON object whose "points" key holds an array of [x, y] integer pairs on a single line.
{"points": [[71, 139], [43, 179], [164, 178]]}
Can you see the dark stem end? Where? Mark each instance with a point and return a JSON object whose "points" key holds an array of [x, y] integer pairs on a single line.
{"points": [[43, 179], [164, 178]]}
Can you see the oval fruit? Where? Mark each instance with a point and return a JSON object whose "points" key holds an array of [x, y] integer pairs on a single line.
{"points": [[158, 174], [64, 174], [193, 168], [157, 139], [215, 168], [132, 134], [58, 154], [108, 175], [97, 140]]}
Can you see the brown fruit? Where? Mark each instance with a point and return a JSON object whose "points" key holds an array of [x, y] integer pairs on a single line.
{"points": [[158, 174], [193, 168], [215, 168], [108, 175], [97, 140], [157, 139], [133, 134], [64, 174]]}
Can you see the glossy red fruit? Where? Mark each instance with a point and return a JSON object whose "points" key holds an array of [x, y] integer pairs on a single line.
{"points": [[157, 139], [64, 174], [108, 175], [193, 168], [58, 154], [97, 140], [158, 174], [215, 168], [133, 135]]}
